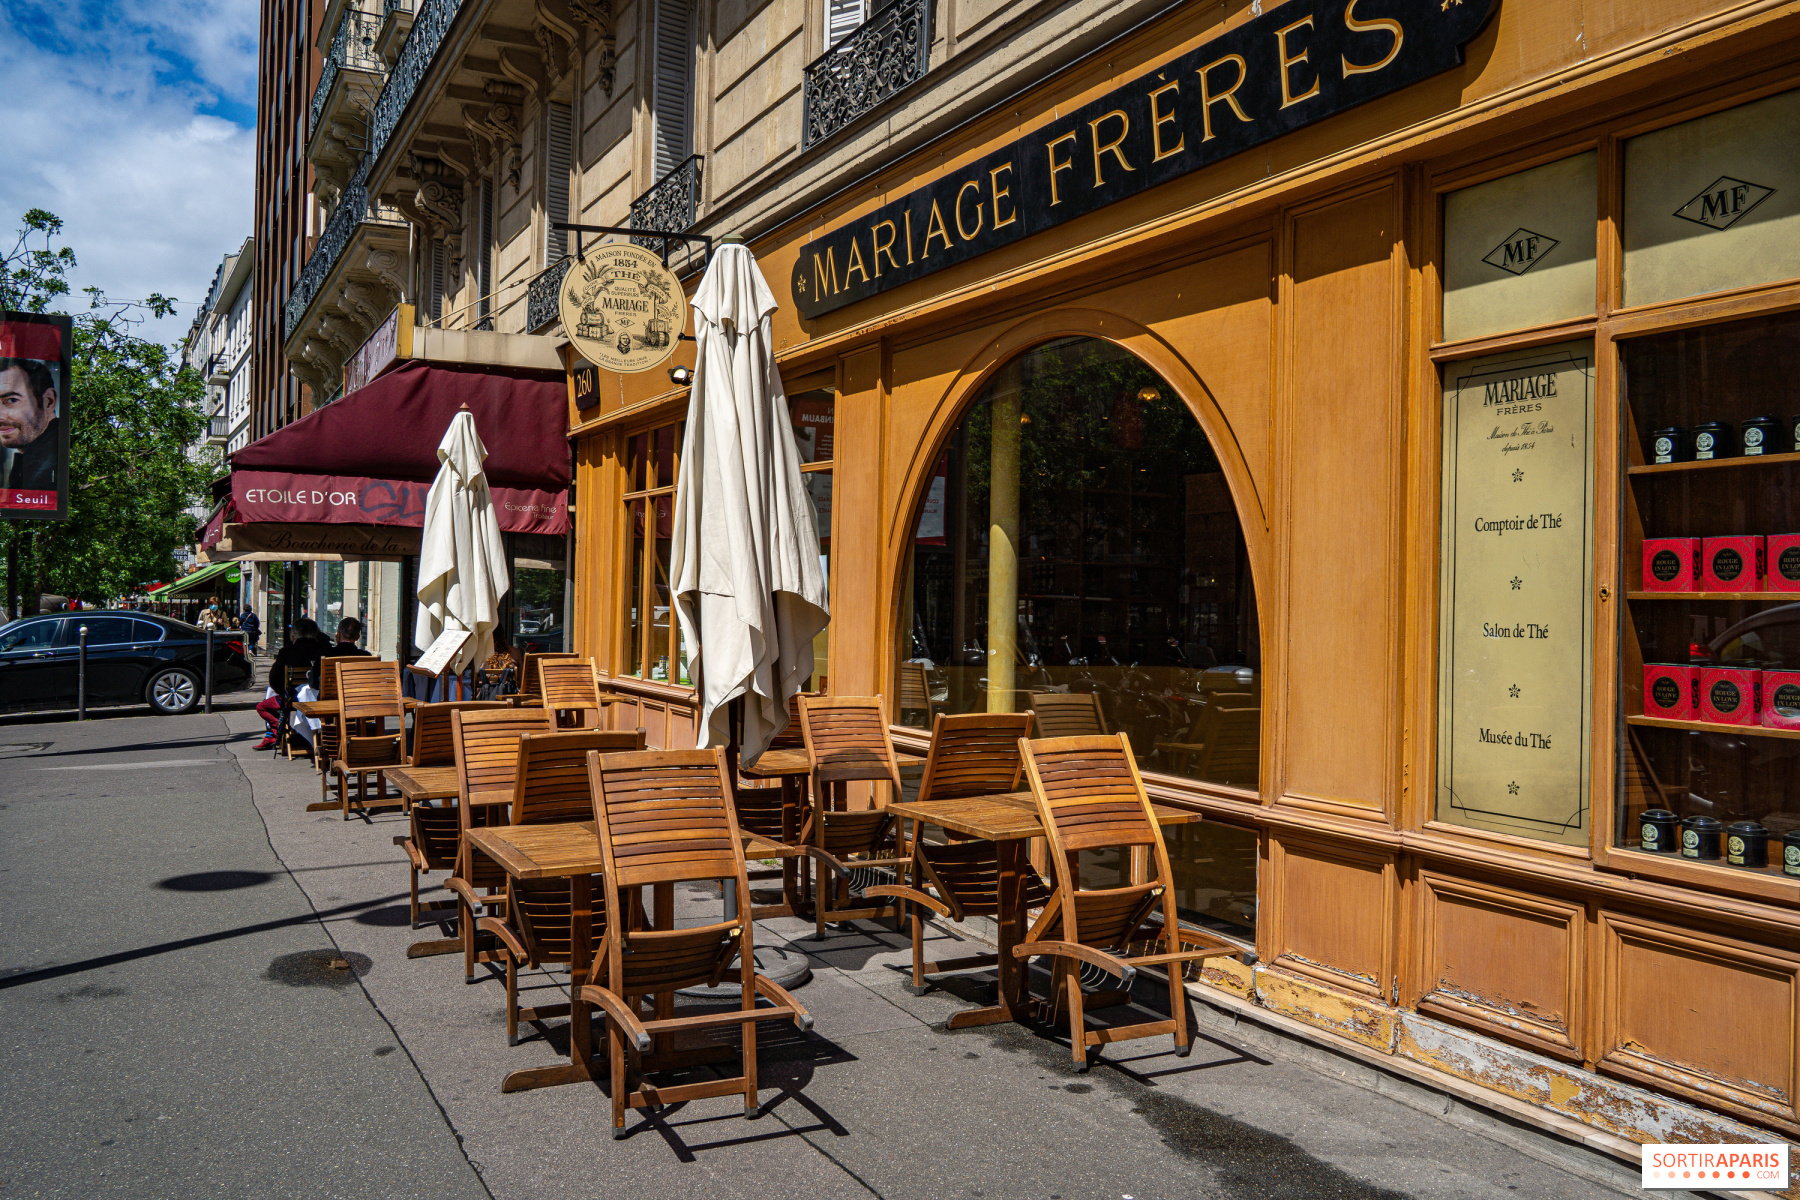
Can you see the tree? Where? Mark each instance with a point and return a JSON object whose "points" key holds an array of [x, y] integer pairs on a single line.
{"points": [[134, 413]]}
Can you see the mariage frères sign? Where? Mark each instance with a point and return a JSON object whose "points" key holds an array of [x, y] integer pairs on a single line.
{"points": [[1300, 62]]}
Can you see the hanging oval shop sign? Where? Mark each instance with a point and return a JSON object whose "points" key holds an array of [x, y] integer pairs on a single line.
{"points": [[622, 308]]}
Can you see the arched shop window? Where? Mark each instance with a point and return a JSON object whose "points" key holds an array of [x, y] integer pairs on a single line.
{"points": [[1079, 492]]}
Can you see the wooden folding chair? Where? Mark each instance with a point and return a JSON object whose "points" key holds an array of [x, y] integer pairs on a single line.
{"points": [[368, 696], [915, 692], [529, 689], [848, 741], [434, 834], [550, 784], [1090, 796], [325, 738], [1224, 740], [664, 818], [1068, 714], [975, 754], [487, 759], [570, 693]]}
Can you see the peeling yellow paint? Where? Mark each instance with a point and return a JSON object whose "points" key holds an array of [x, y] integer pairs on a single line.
{"points": [[1347, 1016], [1562, 1090]]}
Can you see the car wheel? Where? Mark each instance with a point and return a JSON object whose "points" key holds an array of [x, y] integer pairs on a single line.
{"points": [[173, 691]]}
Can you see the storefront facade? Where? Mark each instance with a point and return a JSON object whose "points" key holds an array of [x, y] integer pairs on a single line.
{"points": [[1325, 468]]}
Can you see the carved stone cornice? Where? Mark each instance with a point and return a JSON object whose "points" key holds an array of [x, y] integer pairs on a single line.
{"points": [[439, 196], [557, 35], [385, 265], [596, 17], [525, 69]]}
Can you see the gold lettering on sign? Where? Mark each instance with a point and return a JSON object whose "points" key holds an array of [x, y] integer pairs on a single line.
{"points": [[1289, 62], [998, 191], [882, 247], [855, 265], [1356, 26], [1228, 96], [1067, 164], [909, 256], [825, 272], [1111, 147], [935, 228], [968, 235], [1159, 119]]}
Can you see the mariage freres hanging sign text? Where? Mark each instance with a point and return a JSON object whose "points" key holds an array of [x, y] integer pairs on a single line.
{"points": [[1300, 62]]}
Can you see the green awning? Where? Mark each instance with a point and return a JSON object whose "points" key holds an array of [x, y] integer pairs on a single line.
{"points": [[188, 583]]}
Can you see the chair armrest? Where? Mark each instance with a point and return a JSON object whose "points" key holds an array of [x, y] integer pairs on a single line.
{"points": [[1111, 964], [505, 935], [619, 1012], [901, 892]]}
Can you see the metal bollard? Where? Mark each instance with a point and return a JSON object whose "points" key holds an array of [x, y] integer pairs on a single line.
{"points": [[81, 676], [209, 668]]}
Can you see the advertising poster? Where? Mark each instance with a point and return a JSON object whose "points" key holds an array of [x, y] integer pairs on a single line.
{"points": [[34, 416]]}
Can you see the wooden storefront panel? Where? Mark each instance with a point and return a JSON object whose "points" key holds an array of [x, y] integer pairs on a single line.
{"points": [[1330, 911], [1700, 1016], [1339, 649], [1503, 962]]}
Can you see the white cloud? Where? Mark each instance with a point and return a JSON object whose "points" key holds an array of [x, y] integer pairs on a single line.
{"points": [[107, 126]]}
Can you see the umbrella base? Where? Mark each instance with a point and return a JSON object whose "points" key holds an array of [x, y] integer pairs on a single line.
{"points": [[786, 968]]}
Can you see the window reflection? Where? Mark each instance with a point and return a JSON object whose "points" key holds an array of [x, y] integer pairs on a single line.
{"points": [[1080, 492]]}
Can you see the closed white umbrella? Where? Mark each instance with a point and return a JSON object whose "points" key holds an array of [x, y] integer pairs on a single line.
{"points": [[749, 587], [462, 561]]}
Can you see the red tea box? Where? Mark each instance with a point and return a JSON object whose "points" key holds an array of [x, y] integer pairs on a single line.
{"points": [[1781, 699], [1732, 564], [1781, 568], [1672, 564], [1729, 695], [1671, 690]]}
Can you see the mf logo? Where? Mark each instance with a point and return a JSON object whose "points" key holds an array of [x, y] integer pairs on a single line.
{"points": [[1521, 251], [1723, 202]]}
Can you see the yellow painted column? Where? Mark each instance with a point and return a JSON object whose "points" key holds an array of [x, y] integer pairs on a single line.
{"points": [[1003, 541]]}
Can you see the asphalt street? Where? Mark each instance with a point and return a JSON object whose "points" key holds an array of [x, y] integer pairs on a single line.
{"points": [[176, 1027]]}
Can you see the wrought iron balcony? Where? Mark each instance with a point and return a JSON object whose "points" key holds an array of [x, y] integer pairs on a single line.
{"points": [[353, 210], [670, 206], [352, 49], [889, 51], [390, 7], [540, 301], [430, 25]]}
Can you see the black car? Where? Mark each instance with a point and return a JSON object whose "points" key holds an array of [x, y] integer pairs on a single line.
{"points": [[133, 658]]}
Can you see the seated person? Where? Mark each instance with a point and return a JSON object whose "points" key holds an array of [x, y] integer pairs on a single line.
{"points": [[348, 630], [299, 657]]}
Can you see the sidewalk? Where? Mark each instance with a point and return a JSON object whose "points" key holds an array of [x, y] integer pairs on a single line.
{"points": [[880, 1099]]}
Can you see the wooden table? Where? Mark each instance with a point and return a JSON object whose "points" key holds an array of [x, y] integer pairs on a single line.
{"points": [[422, 784], [1009, 820], [571, 850]]}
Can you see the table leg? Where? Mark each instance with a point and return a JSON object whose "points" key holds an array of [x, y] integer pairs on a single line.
{"points": [[662, 916], [1011, 1003]]}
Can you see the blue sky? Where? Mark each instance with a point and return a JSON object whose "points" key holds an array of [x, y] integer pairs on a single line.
{"points": [[133, 121]]}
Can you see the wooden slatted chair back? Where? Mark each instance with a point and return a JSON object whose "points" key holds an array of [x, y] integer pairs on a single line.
{"points": [[550, 783], [529, 674], [847, 739], [1089, 795], [664, 816], [1233, 740], [328, 676], [432, 745], [569, 686], [791, 737], [368, 687], [487, 747], [973, 754], [915, 688], [1068, 714]]}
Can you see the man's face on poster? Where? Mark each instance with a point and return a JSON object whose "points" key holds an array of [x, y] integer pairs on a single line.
{"points": [[27, 406]]}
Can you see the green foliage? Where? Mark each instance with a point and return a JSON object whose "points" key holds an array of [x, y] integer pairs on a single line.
{"points": [[135, 413]]}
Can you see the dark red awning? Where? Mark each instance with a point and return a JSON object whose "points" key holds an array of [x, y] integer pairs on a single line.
{"points": [[369, 459]]}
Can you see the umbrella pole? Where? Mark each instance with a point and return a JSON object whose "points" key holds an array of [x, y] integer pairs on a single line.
{"points": [[734, 726]]}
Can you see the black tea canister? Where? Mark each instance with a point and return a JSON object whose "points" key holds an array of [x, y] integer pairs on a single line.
{"points": [[1659, 831], [1763, 435], [1746, 844], [1669, 445], [1700, 838], [1714, 439], [1790, 852]]}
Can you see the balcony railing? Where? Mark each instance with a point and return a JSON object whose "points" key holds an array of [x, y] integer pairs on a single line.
{"points": [[540, 301], [352, 210], [428, 29], [390, 7], [352, 49], [670, 206], [886, 53], [219, 429]]}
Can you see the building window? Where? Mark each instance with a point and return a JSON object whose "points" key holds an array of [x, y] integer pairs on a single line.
{"points": [[672, 86], [484, 254], [841, 19], [652, 636], [559, 127], [813, 416]]}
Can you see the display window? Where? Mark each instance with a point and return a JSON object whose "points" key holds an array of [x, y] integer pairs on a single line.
{"points": [[813, 416], [1079, 496], [653, 642]]}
